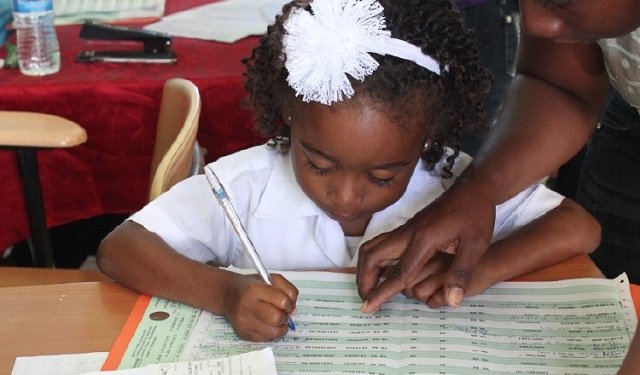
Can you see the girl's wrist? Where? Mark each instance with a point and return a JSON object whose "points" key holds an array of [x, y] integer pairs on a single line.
{"points": [[221, 285]]}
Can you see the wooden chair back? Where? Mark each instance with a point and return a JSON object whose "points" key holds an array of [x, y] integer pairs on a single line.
{"points": [[173, 154]]}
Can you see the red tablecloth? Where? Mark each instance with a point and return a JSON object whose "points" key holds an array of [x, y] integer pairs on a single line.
{"points": [[118, 105]]}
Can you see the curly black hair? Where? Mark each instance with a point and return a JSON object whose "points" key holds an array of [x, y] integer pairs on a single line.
{"points": [[452, 103]]}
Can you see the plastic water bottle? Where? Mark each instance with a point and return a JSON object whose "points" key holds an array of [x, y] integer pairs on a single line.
{"points": [[37, 43]]}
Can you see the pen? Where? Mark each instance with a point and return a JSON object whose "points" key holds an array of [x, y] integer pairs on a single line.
{"points": [[225, 202]]}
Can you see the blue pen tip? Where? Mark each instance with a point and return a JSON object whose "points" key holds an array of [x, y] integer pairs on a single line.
{"points": [[292, 325]]}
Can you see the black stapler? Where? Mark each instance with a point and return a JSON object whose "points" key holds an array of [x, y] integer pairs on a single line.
{"points": [[156, 45]]}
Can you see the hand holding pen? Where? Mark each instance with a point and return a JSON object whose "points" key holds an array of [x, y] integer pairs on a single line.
{"points": [[222, 197]]}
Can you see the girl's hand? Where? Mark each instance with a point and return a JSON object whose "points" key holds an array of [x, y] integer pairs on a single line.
{"points": [[257, 311]]}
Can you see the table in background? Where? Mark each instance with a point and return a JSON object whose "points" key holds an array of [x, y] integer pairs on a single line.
{"points": [[118, 106], [87, 317]]}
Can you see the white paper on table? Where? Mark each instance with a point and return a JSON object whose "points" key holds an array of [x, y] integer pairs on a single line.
{"points": [[78, 11], [63, 364], [132, 371], [259, 362], [224, 21]]}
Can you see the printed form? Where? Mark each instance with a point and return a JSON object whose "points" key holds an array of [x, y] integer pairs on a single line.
{"points": [[581, 326]]}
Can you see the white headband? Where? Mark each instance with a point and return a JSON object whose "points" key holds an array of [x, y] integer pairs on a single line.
{"points": [[323, 47]]}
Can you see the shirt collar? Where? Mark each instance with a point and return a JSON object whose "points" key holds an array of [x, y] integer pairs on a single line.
{"points": [[282, 196]]}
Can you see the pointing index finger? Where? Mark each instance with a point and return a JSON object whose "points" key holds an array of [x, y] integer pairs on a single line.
{"points": [[388, 288], [397, 279], [372, 259]]}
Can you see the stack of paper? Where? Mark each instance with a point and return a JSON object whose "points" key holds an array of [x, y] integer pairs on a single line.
{"points": [[78, 11], [223, 21]]}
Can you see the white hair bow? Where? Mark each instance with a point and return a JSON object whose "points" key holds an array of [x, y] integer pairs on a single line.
{"points": [[323, 47]]}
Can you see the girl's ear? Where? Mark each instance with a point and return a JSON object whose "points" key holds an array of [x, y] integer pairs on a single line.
{"points": [[427, 145]]}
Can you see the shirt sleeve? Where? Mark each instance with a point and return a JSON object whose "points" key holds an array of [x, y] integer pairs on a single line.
{"points": [[522, 209], [191, 221]]}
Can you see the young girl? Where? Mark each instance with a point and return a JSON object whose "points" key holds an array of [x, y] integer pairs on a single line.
{"points": [[365, 101]]}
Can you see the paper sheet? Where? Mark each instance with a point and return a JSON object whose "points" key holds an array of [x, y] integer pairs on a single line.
{"points": [[64, 364], [260, 362], [161, 334], [579, 326], [224, 21], [76, 11]]}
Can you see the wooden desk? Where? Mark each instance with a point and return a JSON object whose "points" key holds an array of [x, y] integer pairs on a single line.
{"points": [[20, 276], [87, 317], [61, 319]]}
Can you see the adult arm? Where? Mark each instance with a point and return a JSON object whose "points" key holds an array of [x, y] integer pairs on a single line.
{"points": [[562, 233], [549, 112]]}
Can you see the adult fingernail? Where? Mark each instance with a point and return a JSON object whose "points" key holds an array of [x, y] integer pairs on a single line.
{"points": [[454, 298], [365, 308]]}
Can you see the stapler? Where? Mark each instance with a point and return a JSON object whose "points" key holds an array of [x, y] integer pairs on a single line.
{"points": [[156, 45]]}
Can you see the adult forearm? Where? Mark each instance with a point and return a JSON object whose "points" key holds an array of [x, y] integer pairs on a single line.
{"points": [[564, 232], [539, 128]]}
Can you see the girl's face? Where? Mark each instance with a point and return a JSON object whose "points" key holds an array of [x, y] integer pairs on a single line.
{"points": [[352, 160], [579, 21]]}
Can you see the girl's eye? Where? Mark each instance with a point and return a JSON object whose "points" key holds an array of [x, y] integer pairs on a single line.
{"points": [[324, 170], [317, 169], [383, 182]]}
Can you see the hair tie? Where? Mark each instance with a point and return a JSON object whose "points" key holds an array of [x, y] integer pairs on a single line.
{"points": [[323, 47]]}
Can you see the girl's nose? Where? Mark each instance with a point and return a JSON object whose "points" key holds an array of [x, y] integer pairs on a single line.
{"points": [[345, 193]]}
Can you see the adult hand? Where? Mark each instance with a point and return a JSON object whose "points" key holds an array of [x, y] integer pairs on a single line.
{"points": [[459, 222], [428, 286], [257, 311]]}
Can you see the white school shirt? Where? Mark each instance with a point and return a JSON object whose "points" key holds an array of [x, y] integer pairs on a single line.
{"points": [[288, 230]]}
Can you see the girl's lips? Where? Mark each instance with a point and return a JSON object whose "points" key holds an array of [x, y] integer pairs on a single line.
{"points": [[342, 217]]}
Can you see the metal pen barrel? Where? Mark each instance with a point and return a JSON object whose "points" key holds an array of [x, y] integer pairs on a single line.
{"points": [[225, 202], [246, 241]]}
